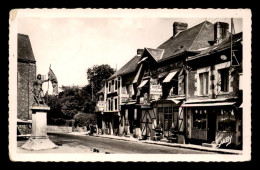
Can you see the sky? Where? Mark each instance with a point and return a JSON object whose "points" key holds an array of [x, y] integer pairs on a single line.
{"points": [[72, 45]]}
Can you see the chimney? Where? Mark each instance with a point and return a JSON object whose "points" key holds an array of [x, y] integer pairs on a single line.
{"points": [[178, 27], [220, 31], [140, 52]]}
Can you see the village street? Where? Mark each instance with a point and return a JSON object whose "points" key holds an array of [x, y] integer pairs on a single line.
{"points": [[89, 144]]}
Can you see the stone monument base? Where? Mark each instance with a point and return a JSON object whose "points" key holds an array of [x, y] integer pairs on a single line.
{"points": [[38, 144], [39, 139]]}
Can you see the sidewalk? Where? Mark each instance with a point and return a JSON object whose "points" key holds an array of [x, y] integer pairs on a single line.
{"points": [[164, 143]]}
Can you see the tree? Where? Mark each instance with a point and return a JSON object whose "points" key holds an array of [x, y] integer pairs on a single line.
{"points": [[98, 75]]}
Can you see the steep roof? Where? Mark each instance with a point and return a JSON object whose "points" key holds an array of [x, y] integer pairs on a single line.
{"points": [[129, 67], [225, 44], [25, 52], [188, 40], [155, 53]]}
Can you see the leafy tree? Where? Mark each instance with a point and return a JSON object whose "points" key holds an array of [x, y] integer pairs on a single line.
{"points": [[98, 75]]}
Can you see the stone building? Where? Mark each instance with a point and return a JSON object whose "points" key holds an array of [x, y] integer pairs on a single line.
{"points": [[213, 100], [26, 74]]}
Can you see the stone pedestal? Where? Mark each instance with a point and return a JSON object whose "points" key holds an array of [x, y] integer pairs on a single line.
{"points": [[39, 139]]}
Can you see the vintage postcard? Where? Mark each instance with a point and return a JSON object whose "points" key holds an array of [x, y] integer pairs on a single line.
{"points": [[108, 85]]}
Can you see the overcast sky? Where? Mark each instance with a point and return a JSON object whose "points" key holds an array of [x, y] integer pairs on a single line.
{"points": [[71, 45]]}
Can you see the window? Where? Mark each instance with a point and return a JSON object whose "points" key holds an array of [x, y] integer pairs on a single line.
{"points": [[226, 120], [204, 83], [101, 97], [109, 87], [115, 103], [224, 79], [115, 85], [160, 109], [166, 110], [199, 119]]}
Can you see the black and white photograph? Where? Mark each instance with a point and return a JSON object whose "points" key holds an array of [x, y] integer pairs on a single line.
{"points": [[105, 85]]}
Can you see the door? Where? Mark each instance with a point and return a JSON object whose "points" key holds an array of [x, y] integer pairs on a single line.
{"points": [[211, 126]]}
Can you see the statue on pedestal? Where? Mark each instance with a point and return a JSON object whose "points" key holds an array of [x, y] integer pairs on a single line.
{"points": [[38, 92]]}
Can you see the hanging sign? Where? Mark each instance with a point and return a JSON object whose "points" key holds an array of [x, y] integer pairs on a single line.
{"points": [[101, 105], [155, 89]]}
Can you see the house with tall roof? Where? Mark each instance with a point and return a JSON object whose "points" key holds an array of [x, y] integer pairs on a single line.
{"points": [[162, 80], [26, 74], [157, 97], [117, 91], [214, 98]]}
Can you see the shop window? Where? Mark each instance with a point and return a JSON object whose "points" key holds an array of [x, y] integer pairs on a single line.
{"points": [[199, 119], [166, 110], [170, 109], [224, 79], [226, 121], [204, 83], [160, 109], [167, 121]]}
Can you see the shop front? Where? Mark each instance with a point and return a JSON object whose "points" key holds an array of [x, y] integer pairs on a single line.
{"points": [[170, 117], [110, 123], [218, 124], [130, 120]]}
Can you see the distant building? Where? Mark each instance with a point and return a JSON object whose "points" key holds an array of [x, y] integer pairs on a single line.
{"points": [[26, 74]]}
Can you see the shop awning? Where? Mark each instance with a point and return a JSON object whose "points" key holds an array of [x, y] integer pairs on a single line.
{"points": [[138, 74], [176, 100], [161, 75], [207, 104], [143, 83], [169, 77], [142, 60]]}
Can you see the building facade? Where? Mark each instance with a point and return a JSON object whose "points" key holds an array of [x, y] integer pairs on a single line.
{"points": [[213, 102], [186, 90]]}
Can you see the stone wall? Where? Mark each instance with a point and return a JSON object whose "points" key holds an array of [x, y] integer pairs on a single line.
{"points": [[25, 78], [66, 129]]}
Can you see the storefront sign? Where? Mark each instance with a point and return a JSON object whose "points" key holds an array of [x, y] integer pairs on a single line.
{"points": [[100, 106], [220, 140], [155, 89]]}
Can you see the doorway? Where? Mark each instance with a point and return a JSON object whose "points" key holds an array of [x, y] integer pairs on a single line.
{"points": [[211, 126]]}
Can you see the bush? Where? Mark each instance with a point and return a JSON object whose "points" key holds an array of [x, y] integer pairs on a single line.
{"points": [[84, 119]]}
